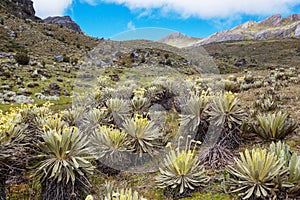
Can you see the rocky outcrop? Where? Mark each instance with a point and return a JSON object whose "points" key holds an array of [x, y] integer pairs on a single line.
{"points": [[26, 6], [21, 8], [275, 20], [65, 21]]}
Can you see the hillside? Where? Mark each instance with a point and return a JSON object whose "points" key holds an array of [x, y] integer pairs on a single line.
{"points": [[252, 55]]}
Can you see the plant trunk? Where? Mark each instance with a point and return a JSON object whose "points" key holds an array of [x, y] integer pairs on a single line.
{"points": [[51, 190], [2, 187]]}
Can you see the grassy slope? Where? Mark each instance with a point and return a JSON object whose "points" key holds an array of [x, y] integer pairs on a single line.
{"points": [[258, 54]]}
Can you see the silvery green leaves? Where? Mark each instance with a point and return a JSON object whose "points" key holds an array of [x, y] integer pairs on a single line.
{"points": [[260, 173], [181, 170], [112, 193], [292, 162], [66, 156], [226, 112], [256, 173], [119, 109], [110, 148], [274, 126], [193, 112], [143, 135]]}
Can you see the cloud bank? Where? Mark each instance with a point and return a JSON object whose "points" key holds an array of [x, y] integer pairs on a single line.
{"points": [[45, 8], [208, 9], [184, 8]]}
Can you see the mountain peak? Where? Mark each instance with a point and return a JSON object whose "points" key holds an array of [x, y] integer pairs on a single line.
{"points": [[21, 8], [274, 20], [65, 21], [293, 17]]}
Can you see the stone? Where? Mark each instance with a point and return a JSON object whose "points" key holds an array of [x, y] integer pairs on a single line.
{"points": [[297, 31], [59, 58], [54, 86]]}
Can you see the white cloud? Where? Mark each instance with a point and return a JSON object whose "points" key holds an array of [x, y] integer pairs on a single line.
{"points": [[208, 9], [45, 8], [131, 26]]}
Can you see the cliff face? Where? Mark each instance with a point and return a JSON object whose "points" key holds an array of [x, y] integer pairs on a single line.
{"points": [[65, 21], [20, 8], [25, 8]]}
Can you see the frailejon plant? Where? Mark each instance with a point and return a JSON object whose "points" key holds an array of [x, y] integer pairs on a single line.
{"points": [[110, 149], [181, 170], [12, 148], [266, 104], [64, 164], [139, 103], [194, 114], [292, 162], [227, 116], [258, 174], [52, 122], [124, 194], [95, 117], [119, 109], [274, 126], [73, 115], [143, 135]]}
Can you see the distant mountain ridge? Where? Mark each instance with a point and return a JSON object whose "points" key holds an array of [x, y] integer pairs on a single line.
{"points": [[179, 40], [273, 27]]}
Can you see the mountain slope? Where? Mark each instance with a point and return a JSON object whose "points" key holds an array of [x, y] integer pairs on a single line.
{"points": [[274, 27]]}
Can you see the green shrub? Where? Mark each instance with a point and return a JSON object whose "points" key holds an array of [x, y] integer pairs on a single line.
{"points": [[22, 58]]}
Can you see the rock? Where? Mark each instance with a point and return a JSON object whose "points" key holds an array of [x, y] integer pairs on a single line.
{"points": [[35, 72], [54, 86], [65, 21], [5, 55], [5, 87], [66, 93], [12, 34], [49, 33], [59, 58], [43, 79], [25, 9], [8, 94], [47, 98], [241, 62], [297, 31], [21, 99], [32, 63], [32, 84]]}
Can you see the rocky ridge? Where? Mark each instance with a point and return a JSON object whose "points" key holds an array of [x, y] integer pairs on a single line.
{"points": [[64, 21], [273, 27], [21, 8]]}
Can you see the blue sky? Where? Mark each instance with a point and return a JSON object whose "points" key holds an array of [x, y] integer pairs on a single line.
{"points": [[197, 18]]}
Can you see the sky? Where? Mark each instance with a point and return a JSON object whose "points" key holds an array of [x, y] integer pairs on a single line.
{"points": [[153, 19]]}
